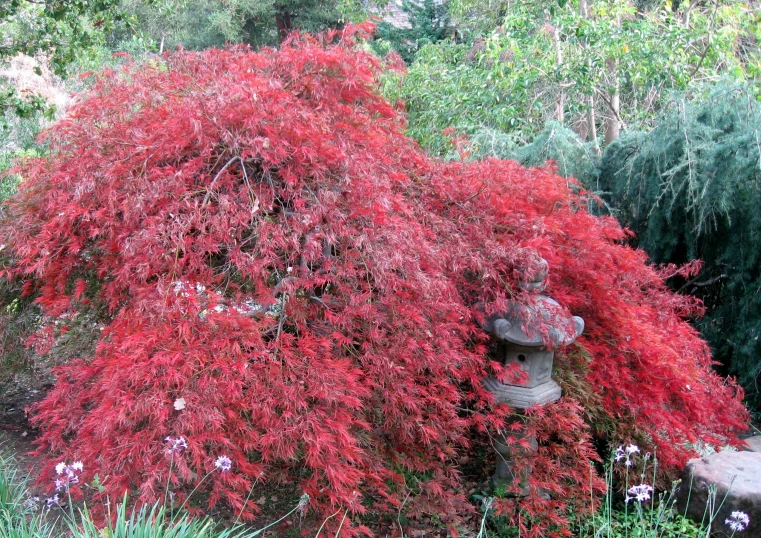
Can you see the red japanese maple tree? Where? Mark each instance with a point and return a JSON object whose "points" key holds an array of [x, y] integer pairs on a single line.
{"points": [[285, 279]]}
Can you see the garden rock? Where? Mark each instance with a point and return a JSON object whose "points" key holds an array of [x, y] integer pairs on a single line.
{"points": [[754, 443], [737, 475]]}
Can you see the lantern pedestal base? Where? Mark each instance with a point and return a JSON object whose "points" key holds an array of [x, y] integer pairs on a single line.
{"points": [[514, 445], [523, 397]]}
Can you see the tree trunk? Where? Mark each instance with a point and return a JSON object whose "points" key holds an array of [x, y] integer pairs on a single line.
{"points": [[581, 127], [584, 8], [284, 24], [560, 102], [592, 125], [612, 119]]}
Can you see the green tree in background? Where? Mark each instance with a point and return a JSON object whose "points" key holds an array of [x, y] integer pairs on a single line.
{"points": [[597, 67], [429, 22], [58, 29], [197, 24], [691, 189]]}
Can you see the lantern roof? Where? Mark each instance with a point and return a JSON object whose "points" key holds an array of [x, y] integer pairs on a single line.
{"points": [[541, 322]]}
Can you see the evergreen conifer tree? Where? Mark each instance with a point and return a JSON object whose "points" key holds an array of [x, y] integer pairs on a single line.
{"points": [[429, 23], [691, 189]]}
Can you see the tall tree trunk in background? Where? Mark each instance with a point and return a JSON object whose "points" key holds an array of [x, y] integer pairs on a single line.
{"points": [[284, 23], [612, 119], [590, 123], [584, 8], [560, 102]]}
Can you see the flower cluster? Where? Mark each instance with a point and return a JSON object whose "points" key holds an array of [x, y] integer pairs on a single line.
{"points": [[627, 452], [67, 475], [641, 493], [737, 521], [176, 444]]}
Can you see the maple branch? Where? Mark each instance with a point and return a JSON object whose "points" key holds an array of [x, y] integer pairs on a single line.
{"points": [[469, 198], [708, 43], [251, 194], [279, 330], [609, 105], [327, 249], [703, 284], [275, 291], [481, 189], [318, 300], [399, 514], [213, 181], [302, 261]]}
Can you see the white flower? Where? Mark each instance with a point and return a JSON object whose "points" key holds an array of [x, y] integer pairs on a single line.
{"points": [[737, 521], [641, 493], [223, 463], [176, 444], [179, 404], [626, 453], [52, 501], [69, 473]]}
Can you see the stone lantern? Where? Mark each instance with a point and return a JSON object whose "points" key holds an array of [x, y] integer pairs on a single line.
{"points": [[527, 334]]}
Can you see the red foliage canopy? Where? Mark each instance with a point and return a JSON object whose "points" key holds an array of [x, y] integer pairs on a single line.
{"points": [[264, 243]]}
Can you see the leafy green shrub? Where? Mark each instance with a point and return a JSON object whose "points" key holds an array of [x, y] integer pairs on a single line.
{"points": [[557, 143], [623, 525], [199, 24], [9, 182]]}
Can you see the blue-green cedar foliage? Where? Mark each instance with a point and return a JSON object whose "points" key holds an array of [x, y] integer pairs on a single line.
{"points": [[691, 189]]}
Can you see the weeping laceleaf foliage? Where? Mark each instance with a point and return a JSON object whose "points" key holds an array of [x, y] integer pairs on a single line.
{"points": [[284, 278]]}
